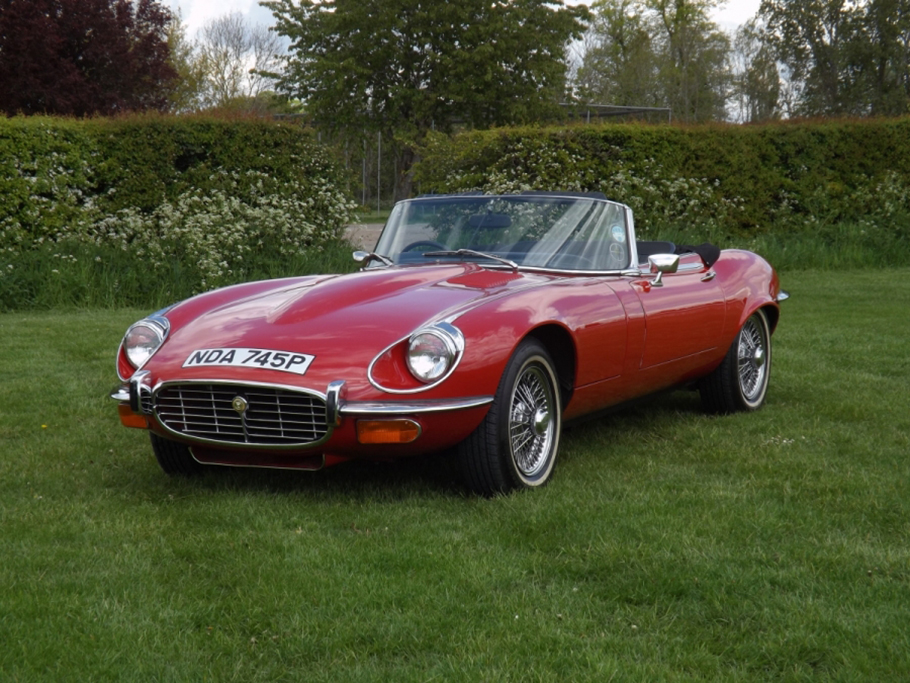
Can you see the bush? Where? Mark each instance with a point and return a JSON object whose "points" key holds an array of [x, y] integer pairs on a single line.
{"points": [[725, 183], [174, 205]]}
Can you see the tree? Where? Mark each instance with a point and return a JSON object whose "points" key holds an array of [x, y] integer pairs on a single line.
{"points": [[887, 30], [619, 58], [811, 38], [230, 65], [694, 68], [756, 79], [404, 67], [186, 90], [235, 60], [83, 57], [662, 53], [847, 57]]}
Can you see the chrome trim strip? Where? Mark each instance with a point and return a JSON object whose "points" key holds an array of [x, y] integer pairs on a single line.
{"points": [[257, 467], [634, 272], [413, 407], [333, 397], [630, 235], [239, 382], [137, 386]]}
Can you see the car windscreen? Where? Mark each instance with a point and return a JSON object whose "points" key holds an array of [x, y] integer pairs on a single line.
{"points": [[553, 232]]}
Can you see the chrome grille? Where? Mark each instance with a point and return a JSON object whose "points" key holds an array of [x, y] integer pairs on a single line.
{"points": [[272, 416], [145, 401]]}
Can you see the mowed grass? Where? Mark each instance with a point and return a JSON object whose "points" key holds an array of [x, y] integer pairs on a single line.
{"points": [[671, 546]]}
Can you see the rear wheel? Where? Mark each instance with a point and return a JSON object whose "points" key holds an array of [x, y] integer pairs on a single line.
{"points": [[515, 446], [740, 382], [174, 458]]}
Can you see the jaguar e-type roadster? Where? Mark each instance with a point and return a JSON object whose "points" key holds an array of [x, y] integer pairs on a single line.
{"points": [[476, 328]]}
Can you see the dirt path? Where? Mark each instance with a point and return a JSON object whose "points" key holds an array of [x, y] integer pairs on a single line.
{"points": [[364, 235]]}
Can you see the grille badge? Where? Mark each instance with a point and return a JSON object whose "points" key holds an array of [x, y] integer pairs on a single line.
{"points": [[240, 404]]}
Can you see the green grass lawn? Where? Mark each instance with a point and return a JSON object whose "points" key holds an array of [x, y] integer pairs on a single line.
{"points": [[670, 546]]}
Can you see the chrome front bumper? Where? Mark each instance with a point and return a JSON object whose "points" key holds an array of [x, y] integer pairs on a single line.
{"points": [[138, 393]]}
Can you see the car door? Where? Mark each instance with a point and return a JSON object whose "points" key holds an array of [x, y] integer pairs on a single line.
{"points": [[684, 315]]}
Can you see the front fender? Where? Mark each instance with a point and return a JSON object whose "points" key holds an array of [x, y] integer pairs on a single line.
{"points": [[749, 283]]}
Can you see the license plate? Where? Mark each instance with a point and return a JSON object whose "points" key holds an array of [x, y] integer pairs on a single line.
{"points": [[284, 361]]}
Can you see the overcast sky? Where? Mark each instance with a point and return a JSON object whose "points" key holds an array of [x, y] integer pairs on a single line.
{"points": [[197, 12]]}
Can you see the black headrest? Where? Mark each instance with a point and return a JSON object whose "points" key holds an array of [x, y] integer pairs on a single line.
{"points": [[709, 252]]}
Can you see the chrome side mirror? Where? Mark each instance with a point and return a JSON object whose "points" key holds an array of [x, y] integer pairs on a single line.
{"points": [[364, 257], [663, 263]]}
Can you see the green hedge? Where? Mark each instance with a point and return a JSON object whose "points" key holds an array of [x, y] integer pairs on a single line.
{"points": [[54, 171], [190, 202], [726, 180]]}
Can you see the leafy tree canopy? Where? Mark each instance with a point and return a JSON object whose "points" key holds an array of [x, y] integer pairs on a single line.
{"points": [[406, 66], [657, 53], [845, 57], [83, 57]]}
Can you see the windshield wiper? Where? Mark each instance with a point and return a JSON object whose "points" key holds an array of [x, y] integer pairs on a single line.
{"points": [[365, 257], [471, 252]]}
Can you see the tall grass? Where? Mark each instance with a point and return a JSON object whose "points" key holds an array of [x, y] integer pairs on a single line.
{"points": [[840, 246], [91, 276], [101, 276]]}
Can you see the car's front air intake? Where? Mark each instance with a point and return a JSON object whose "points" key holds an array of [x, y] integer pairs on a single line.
{"points": [[240, 414]]}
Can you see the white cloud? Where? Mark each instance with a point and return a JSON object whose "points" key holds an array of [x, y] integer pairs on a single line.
{"points": [[196, 13], [735, 13]]}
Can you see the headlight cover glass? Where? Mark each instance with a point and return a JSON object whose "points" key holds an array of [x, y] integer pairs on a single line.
{"points": [[144, 338], [433, 351]]}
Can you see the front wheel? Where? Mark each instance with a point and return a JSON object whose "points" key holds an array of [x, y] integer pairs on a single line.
{"points": [[740, 382], [516, 444], [174, 458]]}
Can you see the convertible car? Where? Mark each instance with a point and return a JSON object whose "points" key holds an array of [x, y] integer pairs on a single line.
{"points": [[476, 328]]}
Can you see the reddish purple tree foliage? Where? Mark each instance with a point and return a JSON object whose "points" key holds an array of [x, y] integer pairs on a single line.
{"points": [[83, 57]]}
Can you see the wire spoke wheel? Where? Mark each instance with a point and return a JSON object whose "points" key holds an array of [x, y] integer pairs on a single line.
{"points": [[531, 425], [752, 356], [740, 382], [515, 446]]}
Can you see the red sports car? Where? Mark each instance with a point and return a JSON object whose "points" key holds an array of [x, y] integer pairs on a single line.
{"points": [[477, 326]]}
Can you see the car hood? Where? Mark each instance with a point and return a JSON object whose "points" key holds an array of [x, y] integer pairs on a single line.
{"points": [[344, 321]]}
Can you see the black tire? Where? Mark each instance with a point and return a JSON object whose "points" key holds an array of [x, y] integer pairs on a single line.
{"points": [[740, 382], [515, 446], [174, 458]]}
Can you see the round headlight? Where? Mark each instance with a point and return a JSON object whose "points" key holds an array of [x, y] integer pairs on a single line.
{"points": [[433, 351], [429, 357], [141, 341]]}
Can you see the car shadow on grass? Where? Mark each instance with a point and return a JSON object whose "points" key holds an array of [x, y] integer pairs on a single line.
{"points": [[429, 475], [407, 477]]}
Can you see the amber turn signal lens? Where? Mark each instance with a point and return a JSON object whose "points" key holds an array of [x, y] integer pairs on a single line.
{"points": [[387, 431], [130, 419]]}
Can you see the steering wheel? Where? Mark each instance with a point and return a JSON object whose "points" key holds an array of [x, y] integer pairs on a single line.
{"points": [[425, 243], [618, 253]]}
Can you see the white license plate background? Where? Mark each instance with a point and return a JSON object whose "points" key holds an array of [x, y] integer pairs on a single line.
{"points": [[266, 359]]}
